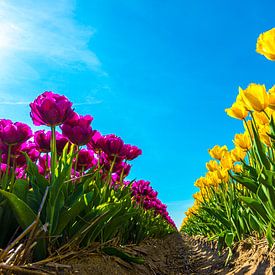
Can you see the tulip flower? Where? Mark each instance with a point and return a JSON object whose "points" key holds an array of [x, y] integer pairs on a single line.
{"points": [[131, 152], [200, 182], [95, 142], [44, 164], [122, 168], [266, 44], [243, 141], [31, 150], [212, 165], [14, 133], [85, 160], [212, 178], [237, 154], [271, 93], [255, 97], [261, 119], [263, 134], [43, 140], [113, 146], [50, 109], [227, 161], [223, 175], [217, 152], [237, 111], [78, 129], [238, 168]]}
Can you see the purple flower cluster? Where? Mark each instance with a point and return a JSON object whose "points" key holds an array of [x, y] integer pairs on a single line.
{"points": [[106, 153], [145, 195]]}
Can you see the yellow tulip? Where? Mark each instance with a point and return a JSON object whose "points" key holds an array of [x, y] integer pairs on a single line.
{"points": [[217, 151], [213, 178], [238, 168], [237, 154], [200, 182], [198, 196], [242, 141], [237, 111], [261, 118], [271, 92], [212, 165], [264, 137], [266, 44], [255, 97], [223, 175], [227, 161]]}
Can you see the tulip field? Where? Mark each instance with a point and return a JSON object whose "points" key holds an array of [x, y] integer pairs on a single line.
{"points": [[68, 187], [236, 197]]}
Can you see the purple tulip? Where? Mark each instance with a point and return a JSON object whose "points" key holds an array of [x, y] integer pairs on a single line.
{"points": [[78, 129], [113, 146], [131, 151], [86, 160], [14, 133], [95, 142], [31, 150], [43, 140], [144, 194], [122, 168], [44, 164], [50, 109]]}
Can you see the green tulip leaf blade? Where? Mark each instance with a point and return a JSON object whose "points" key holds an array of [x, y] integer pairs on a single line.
{"points": [[25, 217]]}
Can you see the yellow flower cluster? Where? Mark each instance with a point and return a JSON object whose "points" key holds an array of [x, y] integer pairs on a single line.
{"points": [[217, 171], [255, 106]]}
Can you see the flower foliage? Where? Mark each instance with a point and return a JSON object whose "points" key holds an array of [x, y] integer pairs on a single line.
{"points": [[74, 182], [236, 197]]}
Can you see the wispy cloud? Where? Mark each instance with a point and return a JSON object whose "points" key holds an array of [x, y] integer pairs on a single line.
{"points": [[14, 103], [41, 30], [89, 101]]}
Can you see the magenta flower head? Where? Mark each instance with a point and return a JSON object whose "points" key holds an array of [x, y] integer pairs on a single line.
{"points": [[122, 169], [113, 146], [50, 109], [31, 150], [95, 142], [44, 164], [14, 133], [42, 140], [78, 129], [131, 151], [86, 160]]}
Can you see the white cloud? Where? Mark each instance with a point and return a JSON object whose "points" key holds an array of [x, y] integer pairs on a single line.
{"points": [[35, 31]]}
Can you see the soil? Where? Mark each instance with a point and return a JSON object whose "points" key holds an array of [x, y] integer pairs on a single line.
{"points": [[173, 255]]}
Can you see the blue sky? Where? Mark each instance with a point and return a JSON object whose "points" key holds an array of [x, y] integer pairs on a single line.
{"points": [[157, 73]]}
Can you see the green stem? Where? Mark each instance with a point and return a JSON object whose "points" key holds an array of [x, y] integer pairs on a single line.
{"points": [[53, 154], [76, 160]]}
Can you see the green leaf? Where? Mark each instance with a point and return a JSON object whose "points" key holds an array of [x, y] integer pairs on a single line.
{"points": [[113, 251], [229, 239], [21, 188], [259, 149], [256, 206], [67, 215], [25, 217], [249, 183], [269, 237]]}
